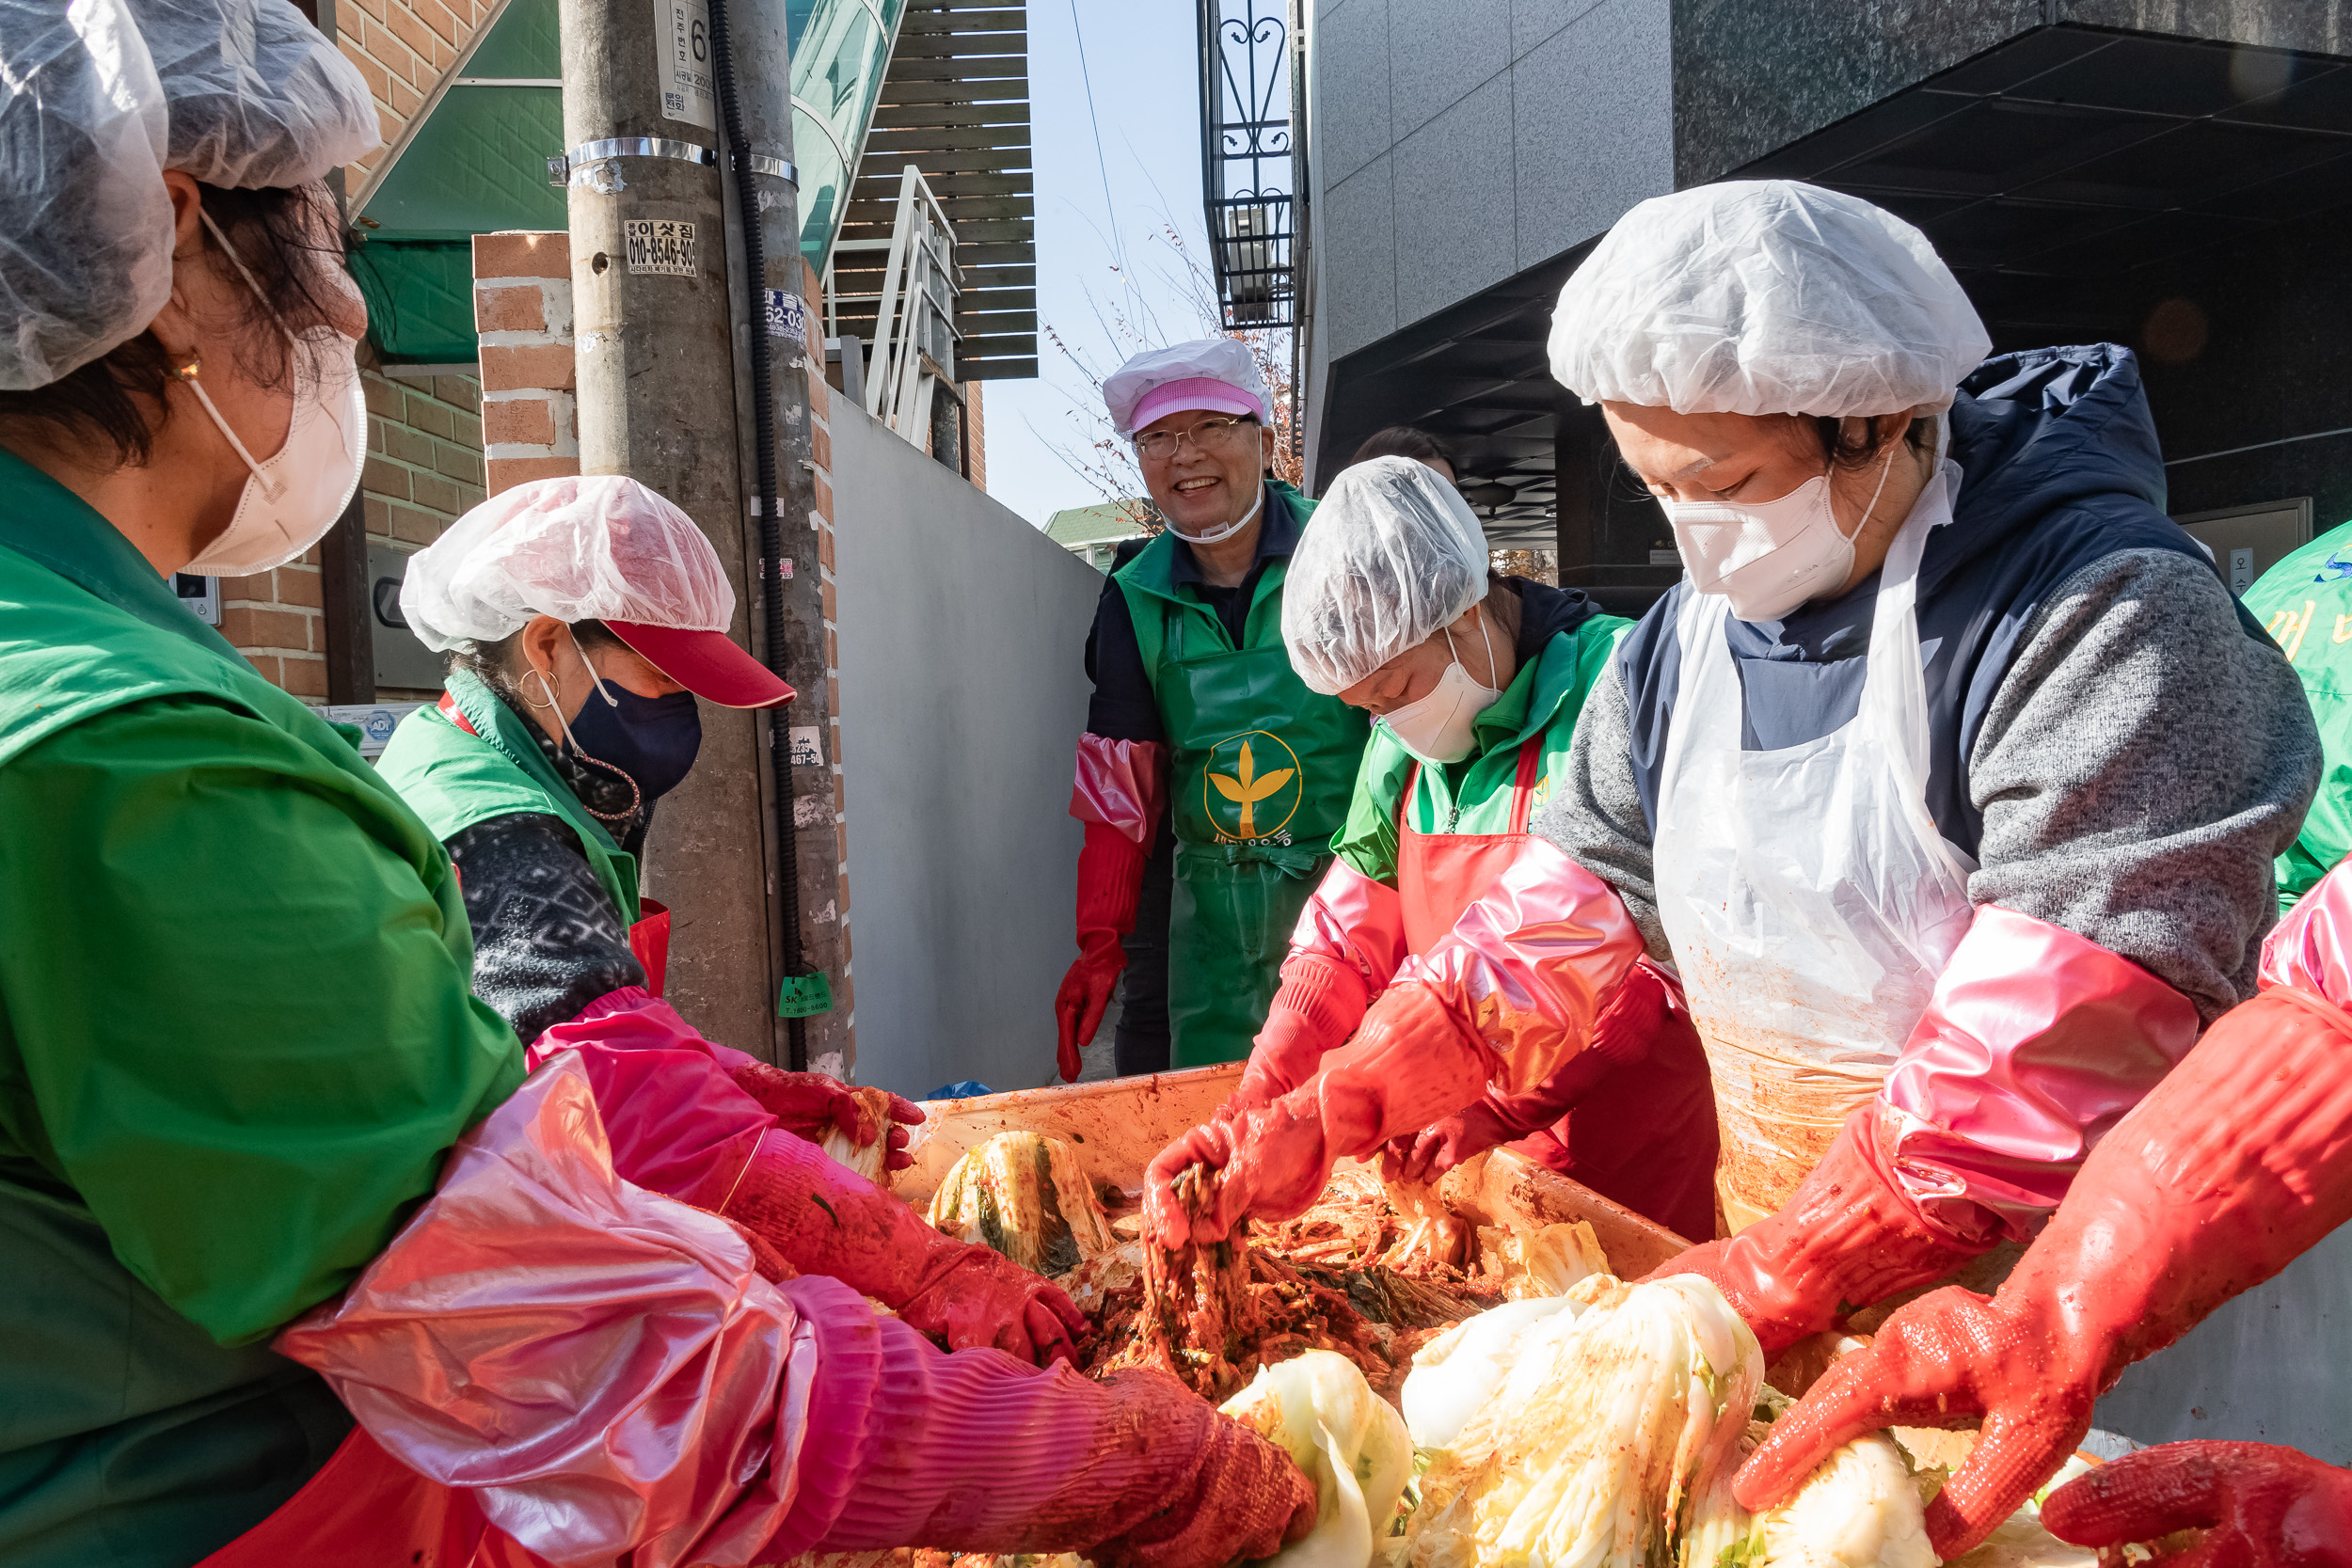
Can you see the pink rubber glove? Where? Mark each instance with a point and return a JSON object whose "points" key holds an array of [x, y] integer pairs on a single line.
{"points": [[1846, 1239], [2259, 1505], [2236, 1164], [811, 1104], [1407, 1066], [1131, 1472], [822, 1219]]}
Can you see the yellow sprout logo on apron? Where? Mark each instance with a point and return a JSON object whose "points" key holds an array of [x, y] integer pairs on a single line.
{"points": [[1250, 789]]}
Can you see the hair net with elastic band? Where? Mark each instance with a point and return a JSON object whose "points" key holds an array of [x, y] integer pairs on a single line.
{"points": [[602, 548], [97, 99], [1390, 555], [1765, 296]]}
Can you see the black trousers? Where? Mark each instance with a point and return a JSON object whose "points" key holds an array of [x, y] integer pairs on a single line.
{"points": [[1139, 1044]]}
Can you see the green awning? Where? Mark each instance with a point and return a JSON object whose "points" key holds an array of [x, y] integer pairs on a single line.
{"points": [[478, 164]]}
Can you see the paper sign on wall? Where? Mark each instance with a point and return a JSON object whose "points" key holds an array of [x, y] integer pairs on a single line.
{"points": [[801, 747], [664, 246], [682, 39]]}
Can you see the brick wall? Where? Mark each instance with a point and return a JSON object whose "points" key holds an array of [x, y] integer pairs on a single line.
{"points": [[522, 310], [974, 418], [402, 47], [425, 464], [275, 620]]}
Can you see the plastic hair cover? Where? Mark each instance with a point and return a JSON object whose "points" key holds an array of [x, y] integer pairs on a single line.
{"points": [[1765, 296], [1391, 557], [579, 548], [97, 99]]}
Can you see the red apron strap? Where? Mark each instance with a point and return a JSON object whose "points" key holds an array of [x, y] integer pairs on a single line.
{"points": [[456, 714], [1523, 784]]}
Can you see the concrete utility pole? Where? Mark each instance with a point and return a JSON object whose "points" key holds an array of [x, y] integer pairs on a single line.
{"points": [[657, 298]]}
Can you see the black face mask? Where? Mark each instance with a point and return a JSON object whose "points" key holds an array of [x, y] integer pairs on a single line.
{"points": [[649, 740], [652, 739]]}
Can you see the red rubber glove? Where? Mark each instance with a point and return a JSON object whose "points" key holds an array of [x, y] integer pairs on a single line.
{"points": [[811, 1104], [2239, 1162], [1846, 1239], [2261, 1506], [1110, 877], [1409, 1065], [822, 1218], [1313, 1013], [1419, 1158]]}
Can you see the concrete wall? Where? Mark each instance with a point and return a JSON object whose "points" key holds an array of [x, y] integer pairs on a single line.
{"points": [[961, 630]]}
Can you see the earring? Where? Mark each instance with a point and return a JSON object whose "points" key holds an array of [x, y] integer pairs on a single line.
{"points": [[545, 685], [188, 371]]}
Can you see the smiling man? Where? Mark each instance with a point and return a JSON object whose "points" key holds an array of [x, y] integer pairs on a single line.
{"points": [[1196, 709]]}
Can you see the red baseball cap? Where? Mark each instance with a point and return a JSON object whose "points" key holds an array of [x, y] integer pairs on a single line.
{"points": [[707, 663]]}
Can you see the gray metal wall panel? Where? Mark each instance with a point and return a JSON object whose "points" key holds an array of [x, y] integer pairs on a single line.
{"points": [[961, 697]]}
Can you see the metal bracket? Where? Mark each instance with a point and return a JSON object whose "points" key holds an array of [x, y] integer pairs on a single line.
{"points": [[774, 167], [559, 169]]}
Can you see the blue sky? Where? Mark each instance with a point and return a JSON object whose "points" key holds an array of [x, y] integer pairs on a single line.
{"points": [[1142, 56]]}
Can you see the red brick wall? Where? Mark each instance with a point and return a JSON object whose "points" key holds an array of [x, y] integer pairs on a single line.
{"points": [[522, 310], [402, 47]]}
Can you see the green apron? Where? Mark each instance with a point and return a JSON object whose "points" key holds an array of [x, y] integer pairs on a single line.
{"points": [[455, 780], [2305, 603], [1260, 773]]}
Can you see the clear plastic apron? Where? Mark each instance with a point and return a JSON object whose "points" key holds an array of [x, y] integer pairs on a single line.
{"points": [[1810, 900]]}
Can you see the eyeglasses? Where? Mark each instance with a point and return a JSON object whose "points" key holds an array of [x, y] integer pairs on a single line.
{"points": [[1218, 434]]}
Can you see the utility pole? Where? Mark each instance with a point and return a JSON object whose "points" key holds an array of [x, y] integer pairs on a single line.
{"points": [[658, 290]]}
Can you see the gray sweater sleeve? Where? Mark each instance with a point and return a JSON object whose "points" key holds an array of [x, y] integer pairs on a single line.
{"points": [[2140, 766], [1595, 817]]}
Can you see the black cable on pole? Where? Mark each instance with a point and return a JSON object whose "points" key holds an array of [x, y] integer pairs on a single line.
{"points": [[771, 567]]}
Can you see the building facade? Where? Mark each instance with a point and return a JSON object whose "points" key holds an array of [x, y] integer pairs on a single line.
{"points": [[2168, 174]]}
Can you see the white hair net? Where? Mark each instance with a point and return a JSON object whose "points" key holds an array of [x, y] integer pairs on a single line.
{"points": [[1765, 296], [97, 99], [1390, 555], [601, 548]]}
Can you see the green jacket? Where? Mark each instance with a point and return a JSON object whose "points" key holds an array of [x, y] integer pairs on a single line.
{"points": [[455, 780], [2305, 603], [235, 1043], [1473, 795]]}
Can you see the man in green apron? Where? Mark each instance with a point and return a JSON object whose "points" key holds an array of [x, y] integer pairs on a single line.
{"points": [[1196, 708], [2303, 603]]}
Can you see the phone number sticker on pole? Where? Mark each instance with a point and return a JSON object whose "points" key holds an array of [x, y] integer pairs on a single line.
{"points": [[662, 247]]}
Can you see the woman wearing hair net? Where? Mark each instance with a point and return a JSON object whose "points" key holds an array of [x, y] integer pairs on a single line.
{"points": [[583, 618], [1949, 779], [1475, 681], [265, 1164]]}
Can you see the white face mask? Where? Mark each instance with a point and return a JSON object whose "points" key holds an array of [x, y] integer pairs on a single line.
{"points": [[291, 499], [1228, 530], [1439, 728], [1773, 556]]}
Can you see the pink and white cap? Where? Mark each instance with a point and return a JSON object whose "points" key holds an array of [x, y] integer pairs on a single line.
{"points": [[1217, 374]]}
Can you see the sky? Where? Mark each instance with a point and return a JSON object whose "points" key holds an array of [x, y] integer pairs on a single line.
{"points": [[1142, 56]]}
